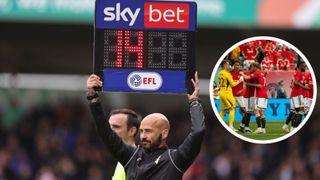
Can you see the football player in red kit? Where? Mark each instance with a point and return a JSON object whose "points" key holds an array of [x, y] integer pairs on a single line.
{"points": [[277, 54], [249, 102], [292, 113], [297, 99], [267, 64], [249, 53], [308, 94], [289, 53], [261, 101], [269, 50], [283, 64], [239, 89]]}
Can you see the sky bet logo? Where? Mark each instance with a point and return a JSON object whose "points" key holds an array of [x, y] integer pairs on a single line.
{"points": [[119, 14], [139, 14], [172, 15]]}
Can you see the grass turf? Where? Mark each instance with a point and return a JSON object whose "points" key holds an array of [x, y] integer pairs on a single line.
{"points": [[273, 130]]}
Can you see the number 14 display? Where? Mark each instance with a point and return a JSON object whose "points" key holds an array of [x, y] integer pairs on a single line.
{"points": [[145, 49]]}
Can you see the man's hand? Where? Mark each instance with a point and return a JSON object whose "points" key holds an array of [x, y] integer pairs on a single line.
{"points": [[241, 79], [241, 91], [92, 82], [306, 87], [195, 82]]}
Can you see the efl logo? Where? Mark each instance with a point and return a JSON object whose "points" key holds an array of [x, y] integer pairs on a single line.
{"points": [[166, 15], [144, 81]]}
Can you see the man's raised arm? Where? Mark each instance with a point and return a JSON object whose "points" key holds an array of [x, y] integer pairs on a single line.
{"points": [[190, 148], [121, 151]]}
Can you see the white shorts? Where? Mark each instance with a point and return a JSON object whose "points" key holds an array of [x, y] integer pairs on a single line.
{"points": [[240, 101], [307, 104], [261, 103], [291, 104], [297, 102], [249, 103]]}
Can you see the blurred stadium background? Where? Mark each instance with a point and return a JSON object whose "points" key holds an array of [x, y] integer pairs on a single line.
{"points": [[46, 56]]}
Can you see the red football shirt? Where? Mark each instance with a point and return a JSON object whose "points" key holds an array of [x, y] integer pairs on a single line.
{"points": [[268, 47], [290, 56], [305, 81], [277, 55], [302, 81], [260, 76], [296, 90], [250, 52], [250, 90], [243, 46], [283, 65], [293, 92], [261, 43], [266, 64], [270, 55], [236, 76], [287, 63], [310, 84]]}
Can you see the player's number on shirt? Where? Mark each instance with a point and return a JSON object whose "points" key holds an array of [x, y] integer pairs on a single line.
{"points": [[223, 82]]}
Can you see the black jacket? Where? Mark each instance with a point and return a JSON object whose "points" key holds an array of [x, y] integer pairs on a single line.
{"points": [[160, 164]]}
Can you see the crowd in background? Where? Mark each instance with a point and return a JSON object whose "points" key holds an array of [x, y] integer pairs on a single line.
{"points": [[270, 54], [58, 141]]}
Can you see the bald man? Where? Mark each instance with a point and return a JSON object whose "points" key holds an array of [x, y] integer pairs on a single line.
{"points": [[152, 160]]}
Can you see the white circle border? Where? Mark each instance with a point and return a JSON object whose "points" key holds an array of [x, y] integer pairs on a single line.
{"points": [[270, 141]]}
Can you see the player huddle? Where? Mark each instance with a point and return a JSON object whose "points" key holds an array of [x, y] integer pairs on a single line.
{"points": [[301, 96], [247, 88]]}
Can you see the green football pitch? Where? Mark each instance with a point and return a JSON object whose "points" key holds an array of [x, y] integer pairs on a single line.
{"points": [[273, 130]]}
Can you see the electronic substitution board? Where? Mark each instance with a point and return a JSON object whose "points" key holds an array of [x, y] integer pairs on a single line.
{"points": [[145, 46]]}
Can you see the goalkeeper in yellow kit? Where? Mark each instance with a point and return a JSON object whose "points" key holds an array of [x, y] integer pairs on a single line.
{"points": [[227, 101]]}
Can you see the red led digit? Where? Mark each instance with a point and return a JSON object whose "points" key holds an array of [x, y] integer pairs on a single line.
{"points": [[119, 49], [135, 49]]}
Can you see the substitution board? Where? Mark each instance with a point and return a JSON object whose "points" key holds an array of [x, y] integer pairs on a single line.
{"points": [[145, 46]]}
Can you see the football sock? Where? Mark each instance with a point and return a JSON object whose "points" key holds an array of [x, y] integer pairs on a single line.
{"points": [[293, 119], [231, 116], [263, 122], [248, 117], [291, 114], [243, 121], [258, 120], [298, 120]]}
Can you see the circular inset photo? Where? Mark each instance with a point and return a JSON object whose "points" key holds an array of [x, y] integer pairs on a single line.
{"points": [[263, 90]]}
